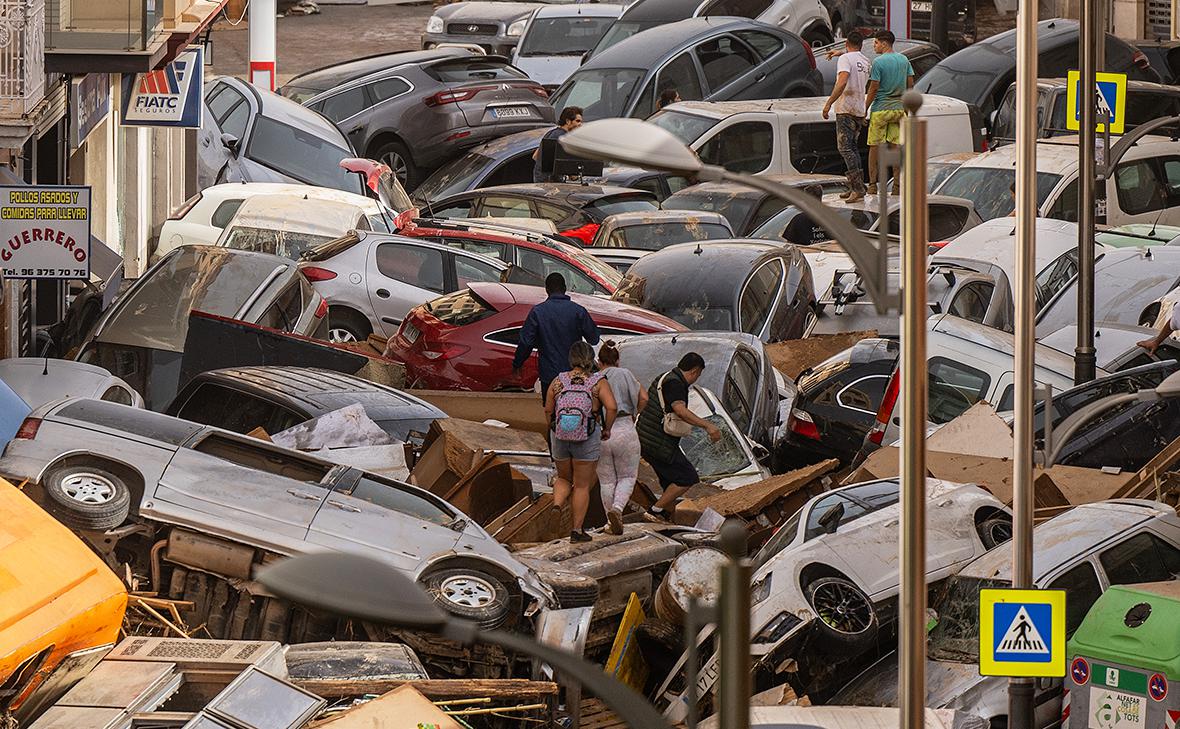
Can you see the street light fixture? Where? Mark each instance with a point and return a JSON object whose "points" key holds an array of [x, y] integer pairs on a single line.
{"points": [[368, 589], [642, 144]]}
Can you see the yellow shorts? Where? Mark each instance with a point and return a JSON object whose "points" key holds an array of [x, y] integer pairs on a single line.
{"points": [[885, 126]]}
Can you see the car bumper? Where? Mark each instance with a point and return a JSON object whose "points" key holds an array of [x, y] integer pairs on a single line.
{"points": [[448, 145], [493, 44]]}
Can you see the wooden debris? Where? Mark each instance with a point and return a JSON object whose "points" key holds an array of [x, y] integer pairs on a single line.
{"points": [[438, 690]]}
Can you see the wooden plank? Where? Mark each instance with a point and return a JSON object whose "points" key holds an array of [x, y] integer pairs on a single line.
{"points": [[434, 689], [1146, 481]]}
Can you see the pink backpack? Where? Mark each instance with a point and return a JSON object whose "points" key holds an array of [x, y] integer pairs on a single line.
{"points": [[573, 408]]}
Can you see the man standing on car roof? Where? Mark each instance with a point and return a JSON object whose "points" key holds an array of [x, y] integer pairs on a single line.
{"points": [[889, 78], [569, 120], [551, 328], [848, 98]]}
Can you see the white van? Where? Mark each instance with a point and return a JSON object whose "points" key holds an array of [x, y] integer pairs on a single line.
{"points": [[790, 136]]}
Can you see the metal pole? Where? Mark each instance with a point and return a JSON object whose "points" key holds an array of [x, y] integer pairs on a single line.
{"points": [[262, 43], [912, 640], [734, 604], [1020, 706], [1084, 354], [939, 34]]}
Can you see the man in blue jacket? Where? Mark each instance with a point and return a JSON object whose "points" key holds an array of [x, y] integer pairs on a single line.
{"points": [[551, 328]]}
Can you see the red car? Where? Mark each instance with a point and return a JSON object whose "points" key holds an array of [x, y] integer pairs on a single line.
{"points": [[466, 340], [538, 254]]}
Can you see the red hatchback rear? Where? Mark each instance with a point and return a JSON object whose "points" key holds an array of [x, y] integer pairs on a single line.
{"points": [[466, 340]]}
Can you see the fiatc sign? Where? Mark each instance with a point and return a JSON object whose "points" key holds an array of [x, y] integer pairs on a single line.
{"points": [[170, 97], [45, 232]]}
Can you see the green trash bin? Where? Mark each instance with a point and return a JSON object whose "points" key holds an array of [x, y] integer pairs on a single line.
{"points": [[1123, 663]]}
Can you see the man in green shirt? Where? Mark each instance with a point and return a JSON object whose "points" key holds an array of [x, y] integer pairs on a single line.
{"points": [[889, 78]]}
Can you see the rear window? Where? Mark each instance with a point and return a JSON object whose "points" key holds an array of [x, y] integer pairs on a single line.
{"points": [[571, 36], [131, 420], [472, 69], [613, 206], [286, 243], [656, 236], [990, 189], [459, 309], [331, 248]]}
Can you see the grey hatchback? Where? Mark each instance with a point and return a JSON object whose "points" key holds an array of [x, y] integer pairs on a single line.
{"points": [[417, 116], [714, 59]]}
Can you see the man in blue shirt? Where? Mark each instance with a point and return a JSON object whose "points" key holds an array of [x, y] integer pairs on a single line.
{"points": [[889, 78], [551, 328]]}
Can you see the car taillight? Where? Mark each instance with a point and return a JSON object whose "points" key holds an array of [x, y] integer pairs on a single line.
{"points": [[459, 135], [935, 246], [444, 351], [877, 434], [453, 97], [983, 145], [810, 53], [28, 429], [539, 91], [801, 424], [315, 273], [322, 310], [1140, 59], [185, 207]]}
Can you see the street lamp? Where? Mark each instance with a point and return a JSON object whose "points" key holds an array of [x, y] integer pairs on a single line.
{"points": [[369, 589], [1169, 388], [642, 144]]}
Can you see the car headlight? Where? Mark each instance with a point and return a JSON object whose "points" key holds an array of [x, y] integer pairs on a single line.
{"points": [[434, 25], [778, 626], [517, 29], [760, 590]]}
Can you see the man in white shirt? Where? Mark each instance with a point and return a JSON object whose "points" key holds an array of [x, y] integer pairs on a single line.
{"points": [[848, 99]]}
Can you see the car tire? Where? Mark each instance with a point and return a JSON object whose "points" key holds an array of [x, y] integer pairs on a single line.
{"points": [[345, 325], [817, 36], [662, 633], [572, 589], [399, 160], [846, 621], [87, 497], [471, 594], [995, 531]]}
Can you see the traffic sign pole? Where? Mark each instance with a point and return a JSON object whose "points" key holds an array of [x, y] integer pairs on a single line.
{"points": [[1084, 354]]}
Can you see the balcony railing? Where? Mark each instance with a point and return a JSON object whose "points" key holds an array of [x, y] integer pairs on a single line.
{"points": [[22, 56], [101, 26]]}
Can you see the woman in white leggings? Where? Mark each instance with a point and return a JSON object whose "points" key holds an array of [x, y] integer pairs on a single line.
{"points": [[618, 464]]}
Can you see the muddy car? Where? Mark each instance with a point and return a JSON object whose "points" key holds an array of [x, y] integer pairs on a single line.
{"points": [[159, 494]]}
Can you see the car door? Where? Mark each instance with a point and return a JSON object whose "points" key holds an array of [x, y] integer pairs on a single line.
{"points": [[682, 74], [758, 298], [851, 409], [231, 113], [731, 69], [365, 513], [241, 488], [739, 393], [402, 275]]}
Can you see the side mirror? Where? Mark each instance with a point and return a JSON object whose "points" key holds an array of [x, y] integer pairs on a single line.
{"points": [[830, 521], [586, 56], [231, 143]]}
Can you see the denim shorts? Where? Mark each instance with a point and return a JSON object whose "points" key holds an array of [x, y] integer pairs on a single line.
{"points": [[578, 450]]}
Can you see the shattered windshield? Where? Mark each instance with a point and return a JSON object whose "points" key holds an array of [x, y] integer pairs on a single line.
{"points": [[715, 461], [286, 243], [956, 634]]}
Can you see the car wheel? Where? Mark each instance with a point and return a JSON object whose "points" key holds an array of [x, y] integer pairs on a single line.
{"points": [[817, 36], [398, 158], [847, 621], [995, 531], [347, 326], [471, 594], [85, 497]]}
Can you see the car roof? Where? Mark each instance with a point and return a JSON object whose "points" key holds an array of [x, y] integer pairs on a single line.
{"points": [[661, 10], [589, 9], [329, 77], [226, 190], [1059, 155], [299, 213], [1063, 538], [994, 242], [656, 217], [725, 260], [932, 105], [570, 193], [739, 190], [1132, 85], [646, 49], [1047, 358], [289, 112], [364, 235], [871, 203], [1111, 340], [317, 389]]}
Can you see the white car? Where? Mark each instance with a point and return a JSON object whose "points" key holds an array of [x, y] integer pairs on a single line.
{"points": [[557, 36], [287, 225], [200, 220], [39, 380], [821, 579]]}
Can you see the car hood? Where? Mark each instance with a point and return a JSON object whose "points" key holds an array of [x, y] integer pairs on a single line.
{"points": [[948, 685], [482, 12], [548, 70]]}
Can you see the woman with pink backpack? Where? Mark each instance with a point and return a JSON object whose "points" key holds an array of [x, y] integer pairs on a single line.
{"points": [[574, 402]]}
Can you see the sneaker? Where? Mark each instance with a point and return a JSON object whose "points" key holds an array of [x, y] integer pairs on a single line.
{"points": [[855, 196], [846, 194], [657, 517], [872, 189], [614, 522], [576, 537]]}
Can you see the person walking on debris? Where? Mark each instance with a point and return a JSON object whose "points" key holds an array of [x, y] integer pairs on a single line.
{"points": [[551, 327], [574, 402], [889, 78], [662, 424], [619, 464], [848, 99], [1171, 324], [569, 120]]}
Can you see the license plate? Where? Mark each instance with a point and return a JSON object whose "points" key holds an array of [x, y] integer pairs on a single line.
{"points": [[511, 112], [922, 7], [410, 332]]}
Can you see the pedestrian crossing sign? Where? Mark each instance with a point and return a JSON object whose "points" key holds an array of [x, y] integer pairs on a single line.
{"points": [[1110, 97], [1022, 633]]}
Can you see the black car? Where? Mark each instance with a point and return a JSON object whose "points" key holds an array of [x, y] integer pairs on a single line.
{"points": [[276, 398], [744, 207], [416, 116], [569, 206], [869, 15], [509, 161], [1145, 102], [923, 57], [725, 285], [838, 399], [316, 81], [981, 73], [1164, 56]]}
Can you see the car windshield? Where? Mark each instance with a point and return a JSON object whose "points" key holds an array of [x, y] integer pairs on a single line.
{"points": [[688, 128], [602, 92], [619, 31], [774, 228], [299, 94], [569, 36], [972, 86], [937, 172], [459, 176], [990, 189], [302, 155], [702, 318], [717, 460], [654, 236], [624, 204], [286, 243], [779, 541], [955, 636]]}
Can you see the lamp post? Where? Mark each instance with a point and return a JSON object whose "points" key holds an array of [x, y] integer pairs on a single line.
{"points": [[368, 589]]}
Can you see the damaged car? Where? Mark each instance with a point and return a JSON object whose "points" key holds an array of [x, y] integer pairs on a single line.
{"points": [[166, 498]]}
